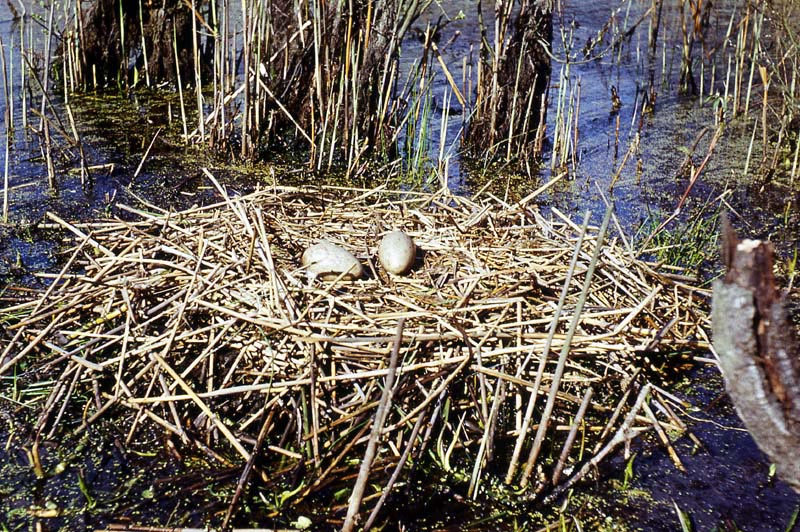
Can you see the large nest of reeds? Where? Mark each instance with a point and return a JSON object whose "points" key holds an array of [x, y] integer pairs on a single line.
{"points": [[512, 332]]}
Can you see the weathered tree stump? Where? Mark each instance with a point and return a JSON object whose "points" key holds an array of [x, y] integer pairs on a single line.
{"points": [[116, 36], [758, 351], [514, 72]]}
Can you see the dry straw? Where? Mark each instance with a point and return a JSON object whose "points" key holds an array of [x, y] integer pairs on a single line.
{"points": [[204, 324]]}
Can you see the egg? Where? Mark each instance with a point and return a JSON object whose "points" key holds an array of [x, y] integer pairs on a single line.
{"points": [[397, 252], [329, 261]]}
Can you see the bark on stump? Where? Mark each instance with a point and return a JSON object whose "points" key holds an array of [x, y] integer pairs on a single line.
{"points": [[758, 351]]}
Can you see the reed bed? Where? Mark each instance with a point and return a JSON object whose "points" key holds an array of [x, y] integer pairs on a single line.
{"points": [[513, 331], [513, 73]]}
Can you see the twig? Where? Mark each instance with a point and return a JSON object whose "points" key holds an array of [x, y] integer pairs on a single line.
{"points": [[377, 427]]}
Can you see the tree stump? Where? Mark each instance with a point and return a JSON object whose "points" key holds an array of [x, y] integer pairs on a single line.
{"points": [[514, 72], [758, 351], [114, 37]]}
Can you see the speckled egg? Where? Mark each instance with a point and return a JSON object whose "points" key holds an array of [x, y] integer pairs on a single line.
{"points": [[397, 252], [328, 261]]}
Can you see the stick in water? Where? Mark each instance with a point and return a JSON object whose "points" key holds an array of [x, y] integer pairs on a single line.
{"points": [[377, 428]]}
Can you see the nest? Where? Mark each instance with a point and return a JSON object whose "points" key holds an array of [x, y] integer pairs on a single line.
{"points": [[512, 337]]}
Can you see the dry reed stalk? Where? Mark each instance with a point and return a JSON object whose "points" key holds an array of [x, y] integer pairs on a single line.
{"points": [[44, 124], [248, 468], [178, 77], [556, 378], [377, 428], [144, 156], [545, 353], [202, 323], [624, 434], [513, 65], [22, 75], [573, 431], [86, 177], [397, 471], [633, 148], [8, 124], [487, 440], [662, 436]]}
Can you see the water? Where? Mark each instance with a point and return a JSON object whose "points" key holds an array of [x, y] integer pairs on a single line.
{"points": [[648, 185]]}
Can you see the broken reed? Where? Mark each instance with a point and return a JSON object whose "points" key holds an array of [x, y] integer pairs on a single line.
{"points": [[35, 71], [780, 95], [512, 322], [760, 84], [740, 57], [322, 79], [312, 76], [8, 123], [318, 76], [760, 61], [315, 75]]}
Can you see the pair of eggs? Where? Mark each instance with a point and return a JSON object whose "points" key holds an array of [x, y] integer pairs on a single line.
{"points": [[326, 260]]}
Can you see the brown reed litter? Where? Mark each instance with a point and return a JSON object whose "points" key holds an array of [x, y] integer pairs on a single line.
{"points": [[513, 335]]}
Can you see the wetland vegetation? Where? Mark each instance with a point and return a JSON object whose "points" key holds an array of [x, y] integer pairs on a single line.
{"points": [[165, 362]]}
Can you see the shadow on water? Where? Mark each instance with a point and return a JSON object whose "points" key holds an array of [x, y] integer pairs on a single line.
{"points": [[727, 485]]}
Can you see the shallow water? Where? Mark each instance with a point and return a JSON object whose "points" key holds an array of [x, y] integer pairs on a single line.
{"points": [[728, 478]]}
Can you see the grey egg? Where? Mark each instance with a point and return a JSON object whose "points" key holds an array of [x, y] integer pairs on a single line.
{"points": [[328, 261], [397, 252]]}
